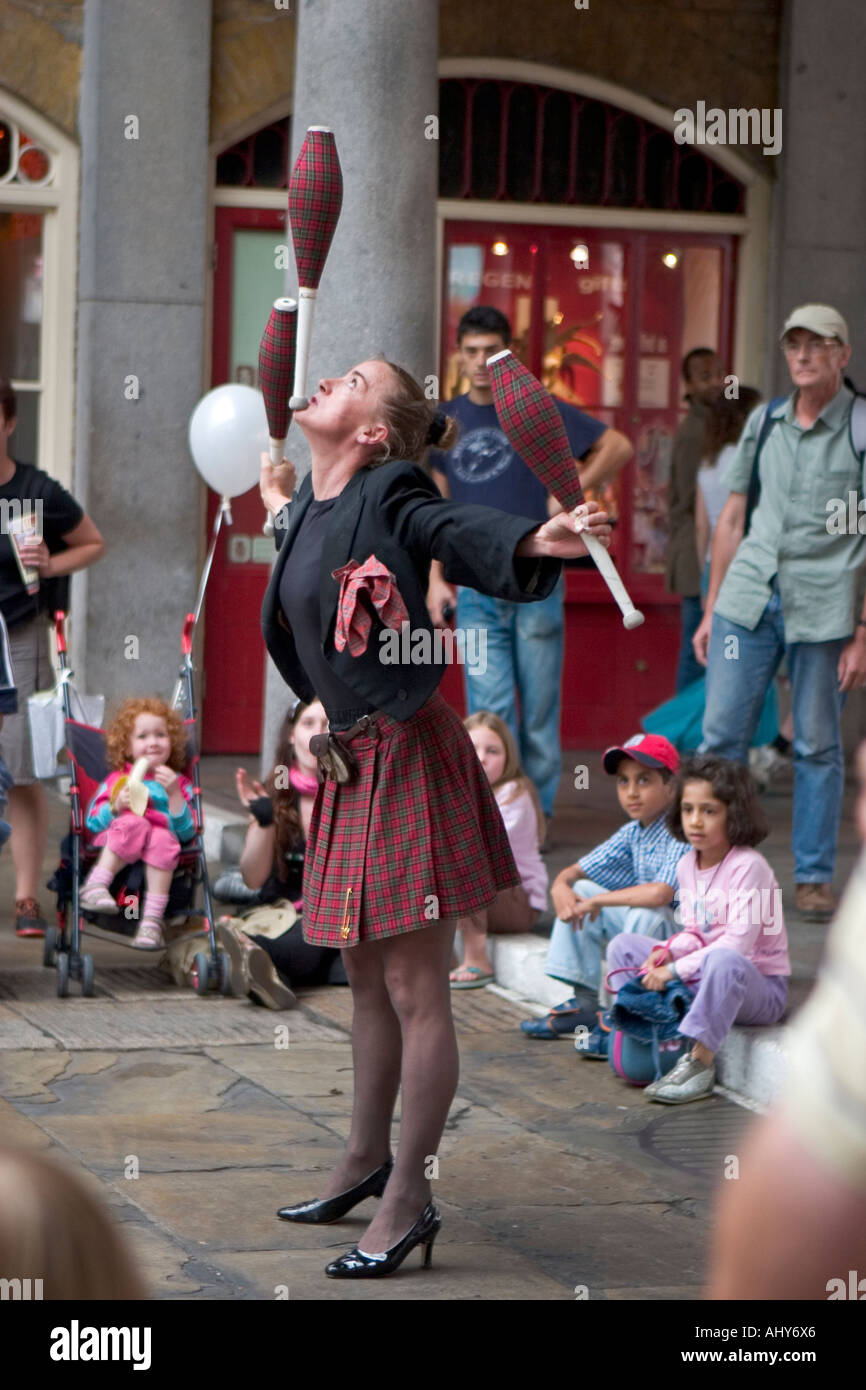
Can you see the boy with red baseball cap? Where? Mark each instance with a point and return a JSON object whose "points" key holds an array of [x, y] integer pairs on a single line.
{"points": [[626, 884]]}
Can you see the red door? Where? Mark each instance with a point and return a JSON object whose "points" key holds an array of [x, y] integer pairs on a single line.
{"points": [[603, 317], [248, 277]]}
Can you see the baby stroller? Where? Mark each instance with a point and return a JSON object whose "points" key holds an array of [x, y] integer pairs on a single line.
{"points": [[86, 748]]}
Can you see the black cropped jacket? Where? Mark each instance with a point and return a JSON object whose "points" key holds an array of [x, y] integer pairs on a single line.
{"points": [[396, 512]]}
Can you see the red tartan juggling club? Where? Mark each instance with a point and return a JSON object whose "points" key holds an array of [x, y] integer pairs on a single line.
{"points": [[534, 428], [276, 371], [315, 200]]}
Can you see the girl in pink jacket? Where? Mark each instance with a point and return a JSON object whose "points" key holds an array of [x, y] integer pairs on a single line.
{"points": [[733, 949]]}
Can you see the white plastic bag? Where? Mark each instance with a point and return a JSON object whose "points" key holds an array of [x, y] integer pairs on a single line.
{"points": [[46, 717]]}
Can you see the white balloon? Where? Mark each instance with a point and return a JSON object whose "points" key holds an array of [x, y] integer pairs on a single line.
{"points": [[228, 430]]}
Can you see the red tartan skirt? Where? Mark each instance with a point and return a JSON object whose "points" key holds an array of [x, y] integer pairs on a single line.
{"points": [[417, 838]]}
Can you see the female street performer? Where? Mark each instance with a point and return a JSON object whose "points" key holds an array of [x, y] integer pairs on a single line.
{"points": [[406, 835]]}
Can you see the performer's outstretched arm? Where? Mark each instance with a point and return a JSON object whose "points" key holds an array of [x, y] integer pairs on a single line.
{"points": [[506, 556]]}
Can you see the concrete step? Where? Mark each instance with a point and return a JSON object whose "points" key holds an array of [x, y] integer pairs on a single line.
{"points": [[224, 833], [750, 1064]]}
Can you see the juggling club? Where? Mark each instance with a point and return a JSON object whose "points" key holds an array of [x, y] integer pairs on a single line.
{"points": [[315, 200], [534, 428], [276, 370]]}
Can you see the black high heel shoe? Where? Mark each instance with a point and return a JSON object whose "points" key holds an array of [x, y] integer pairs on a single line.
{"points": [[327, 1209], [356, 1265]]}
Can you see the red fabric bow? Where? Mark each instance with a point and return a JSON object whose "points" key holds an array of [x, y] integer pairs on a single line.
{"points": [[354, 620]]}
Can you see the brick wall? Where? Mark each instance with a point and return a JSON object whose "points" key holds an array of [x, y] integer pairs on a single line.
{"points": [[676, 52], [40, 56]]}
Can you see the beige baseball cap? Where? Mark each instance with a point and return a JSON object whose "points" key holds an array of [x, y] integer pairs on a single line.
{"points": [[818, 318]]}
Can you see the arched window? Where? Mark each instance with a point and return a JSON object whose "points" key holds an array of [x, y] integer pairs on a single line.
{"points": [[38, 204], [522, 142], [261, 160]]}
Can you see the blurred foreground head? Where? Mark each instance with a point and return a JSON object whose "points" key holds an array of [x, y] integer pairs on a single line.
{"points": [[53, 1228]]}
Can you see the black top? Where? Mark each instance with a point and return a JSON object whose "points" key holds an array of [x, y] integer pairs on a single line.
{"points": [[299, 599], [32, 493], [292, 886], [396, 513]]}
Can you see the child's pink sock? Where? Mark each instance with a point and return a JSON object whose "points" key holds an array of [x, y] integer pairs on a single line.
{"points": [[100, 877], [154, 907]]}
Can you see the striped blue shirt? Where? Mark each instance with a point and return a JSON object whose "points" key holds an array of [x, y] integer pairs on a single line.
{"points": [[636, 854]]}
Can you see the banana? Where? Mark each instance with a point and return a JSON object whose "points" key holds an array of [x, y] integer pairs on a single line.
{"points": [[137, 792], [138, 797]]}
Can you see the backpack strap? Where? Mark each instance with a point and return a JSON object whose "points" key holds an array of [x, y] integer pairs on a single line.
{"points": [[767, 422], [856, 433], [649, 963], [857, 427]]}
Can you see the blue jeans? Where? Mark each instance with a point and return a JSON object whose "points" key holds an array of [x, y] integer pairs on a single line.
{"points": [[575, 954], [736, 686], [689, 669], [525, 643]]}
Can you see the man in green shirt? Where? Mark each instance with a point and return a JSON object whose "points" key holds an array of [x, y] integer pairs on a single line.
{"points": [[789, 588]]}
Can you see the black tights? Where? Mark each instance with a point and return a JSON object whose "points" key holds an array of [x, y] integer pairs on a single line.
{"points": [[402, 1036]]}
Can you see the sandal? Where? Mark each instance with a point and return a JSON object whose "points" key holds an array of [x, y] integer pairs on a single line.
{"points": [[95, 897], [562, 1020], [481, 978], [149, 937]]}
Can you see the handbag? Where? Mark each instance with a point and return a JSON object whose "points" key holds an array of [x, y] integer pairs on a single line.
{"points": [[268, 919], [644, 1042], [638, 1060], [46, 717]]}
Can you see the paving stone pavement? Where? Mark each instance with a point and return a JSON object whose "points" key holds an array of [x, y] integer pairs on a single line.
{"points": [[552, 1174], [554, 1177]]}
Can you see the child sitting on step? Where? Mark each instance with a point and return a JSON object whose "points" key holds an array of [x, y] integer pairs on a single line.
{"points": [[733, 950], [514, 909], [627, 884]]}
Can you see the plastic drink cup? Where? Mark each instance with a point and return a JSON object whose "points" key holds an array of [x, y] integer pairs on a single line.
{"points": [[24, 530]]}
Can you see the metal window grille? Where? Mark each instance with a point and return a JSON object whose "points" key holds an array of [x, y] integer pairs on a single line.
{"points": [[522, 143]]}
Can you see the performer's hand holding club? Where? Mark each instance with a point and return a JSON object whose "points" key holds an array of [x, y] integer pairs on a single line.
{"points": [[562, 537], [276, 483]]}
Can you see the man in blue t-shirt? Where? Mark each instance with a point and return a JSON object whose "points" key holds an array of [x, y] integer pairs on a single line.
{"points": [[524, 641]]}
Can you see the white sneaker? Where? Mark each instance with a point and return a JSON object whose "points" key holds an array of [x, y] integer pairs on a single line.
{"points": [[689, 1080]]}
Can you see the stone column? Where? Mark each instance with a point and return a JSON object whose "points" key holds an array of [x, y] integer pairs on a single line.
{"points": [[820, 225], [367, 69], [820, 215], [144, 142]]}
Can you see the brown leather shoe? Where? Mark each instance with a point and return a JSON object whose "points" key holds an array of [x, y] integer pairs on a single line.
{"points": [[815, 902]]}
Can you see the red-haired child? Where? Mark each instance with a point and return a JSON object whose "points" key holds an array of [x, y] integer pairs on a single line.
{"points": [[144, 727]]}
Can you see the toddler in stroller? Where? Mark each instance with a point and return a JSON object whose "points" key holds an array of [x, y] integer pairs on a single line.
{"points": [[141, 811]]}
